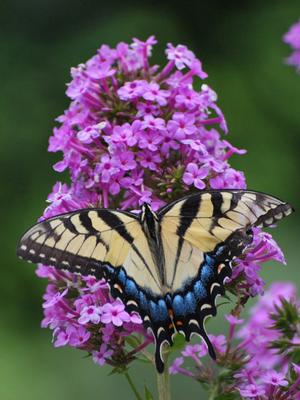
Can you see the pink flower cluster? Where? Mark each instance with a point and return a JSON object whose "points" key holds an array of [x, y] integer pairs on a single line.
{"points": [[267, 369], [264, 372], [135, 133], [292, 38], [82, 314], [262, 249]]}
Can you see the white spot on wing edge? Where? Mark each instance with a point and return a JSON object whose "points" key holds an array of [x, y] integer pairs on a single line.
{"points": [[160, 329], [134, 303], [215, 284], [194, 322]]}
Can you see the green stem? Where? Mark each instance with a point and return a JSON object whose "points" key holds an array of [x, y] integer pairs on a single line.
{"points": [[213, 393], [131, 384], [163, 383]]}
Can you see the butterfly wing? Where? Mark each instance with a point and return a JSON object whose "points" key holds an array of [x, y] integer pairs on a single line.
{"points": [[201, 234], [76, 241], [210, 217], [103, 243], [93, 241]]}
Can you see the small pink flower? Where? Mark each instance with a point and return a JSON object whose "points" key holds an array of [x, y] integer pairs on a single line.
{"points": [[99, 70], [191, 350], [132, 90], [54, 298], [180, 55], [62, 337], [124, 133], [157, 124], [252, 390], [154, 93], [79, 337], [100, 357], [175, 367], [89, 134], [90, 314], [182, 125], [194, 175], [233, 320], [275, 378], [114, 313]]}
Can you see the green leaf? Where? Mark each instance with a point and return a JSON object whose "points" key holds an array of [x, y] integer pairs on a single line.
{"points": [[118, 370], [179, 342], [148, 394], [295, 355], [286, 318], [143, 360], [132, 341]]}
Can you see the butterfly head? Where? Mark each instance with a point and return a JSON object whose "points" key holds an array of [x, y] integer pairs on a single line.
{"points": [[149, 218], [147, 213]]}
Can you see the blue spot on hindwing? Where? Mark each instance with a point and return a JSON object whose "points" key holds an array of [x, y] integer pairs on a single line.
{"points": [[122, 276], [209, 260], [153, 310], [199, 291], [220, 251], [190, 302], [162, 310], [206, 273], [143, 302], [178, 305], [130, 288]]}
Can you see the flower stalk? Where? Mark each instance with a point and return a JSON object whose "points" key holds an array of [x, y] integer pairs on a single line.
{"points": [[132, 386], [163, 384]]}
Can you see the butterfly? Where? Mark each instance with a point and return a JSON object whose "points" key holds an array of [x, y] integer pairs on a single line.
{"points": [[169, 266]]}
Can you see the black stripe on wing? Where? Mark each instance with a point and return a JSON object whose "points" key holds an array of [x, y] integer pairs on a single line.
{"points": [[39, 243], [189, 206], [35, 252], [115, 223], [244, 208]]}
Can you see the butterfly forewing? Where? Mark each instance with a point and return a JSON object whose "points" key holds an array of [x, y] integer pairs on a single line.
{"points": [[77, 241], [208, 218]]}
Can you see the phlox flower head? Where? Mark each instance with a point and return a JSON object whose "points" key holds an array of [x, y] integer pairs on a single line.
{"points": [[126, 117], [266, 367], [134, 132]]}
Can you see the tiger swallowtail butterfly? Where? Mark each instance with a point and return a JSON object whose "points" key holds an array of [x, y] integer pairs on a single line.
{"points": [[169, 266]]}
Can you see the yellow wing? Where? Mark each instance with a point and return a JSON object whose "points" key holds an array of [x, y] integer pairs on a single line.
{"points": [[85, 240], [210, 217]]}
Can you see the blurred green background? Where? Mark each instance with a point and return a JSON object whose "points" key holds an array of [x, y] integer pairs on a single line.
{"points": [[240, 44]]}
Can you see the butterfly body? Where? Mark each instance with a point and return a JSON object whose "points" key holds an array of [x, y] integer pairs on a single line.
{"points": [[150, 224], [168, 266]]}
